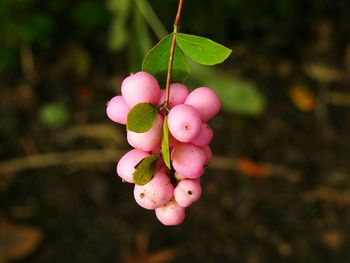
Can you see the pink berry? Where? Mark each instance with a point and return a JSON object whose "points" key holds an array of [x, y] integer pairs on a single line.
{"points": [[205, 101], [160, 166], [208, 154], [161, 97], [170, 214], [155, 193], [117, 110], [204, 137], [147, 141], [184, 123], [157, 149], [126, 164], [177, 94], [140, 87], [188, 160], [187, 192], [172, 141]]}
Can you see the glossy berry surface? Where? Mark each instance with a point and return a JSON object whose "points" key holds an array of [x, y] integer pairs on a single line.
{"points": [[167, 188], [155, 193], [177, 94], [205, 101], [147, 141], [126, 164], [204, 136], [208, 154], [184, 123], [170, 214], [187, 191], [140, 87], [188, 160], [117, 110]]}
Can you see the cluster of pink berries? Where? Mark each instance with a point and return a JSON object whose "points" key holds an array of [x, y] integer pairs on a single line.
{"points": [[189, 138]]}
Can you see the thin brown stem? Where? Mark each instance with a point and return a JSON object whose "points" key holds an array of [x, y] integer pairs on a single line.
{"points": [[171, 56], [84, 158], [178, 16]]}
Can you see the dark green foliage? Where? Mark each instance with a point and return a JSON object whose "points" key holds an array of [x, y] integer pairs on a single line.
{"points": [[231, 18], [145, 170], [40, 24], [47, 23]]}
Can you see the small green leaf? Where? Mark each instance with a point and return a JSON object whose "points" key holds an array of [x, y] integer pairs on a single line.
{"points": [[141, 117], [144, 170], [141, 41], [202, 50], [118, 32], [165, 143], [54, 115], [157, 60]]}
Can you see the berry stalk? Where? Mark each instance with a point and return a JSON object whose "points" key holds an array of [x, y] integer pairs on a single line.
{"points": [[171, 56]]}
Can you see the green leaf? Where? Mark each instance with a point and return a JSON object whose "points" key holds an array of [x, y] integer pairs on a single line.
{"points": [[202, 50], [38, 26], [81, 61], [118, 34], [141, 41], [165, 143], [89, 15], [237, 95], [141, 117], [157, 60], [144, 170], [54, 115], [118, 31]]}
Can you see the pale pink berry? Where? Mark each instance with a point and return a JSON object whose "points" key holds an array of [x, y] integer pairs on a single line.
{"points": [[177, 94], [184, 123], [117, 110], [187, 192], [155, 193], [208, 153], [172, 141], [170, 214], [147, 141], [160, 166], [205, 101], [188, 160], [140, 87], [126, 164], [204, 137], [157, 149], [161, 97]]}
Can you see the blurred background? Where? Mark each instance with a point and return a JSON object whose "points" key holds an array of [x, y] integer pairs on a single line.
{"points": [[278, 188]]}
